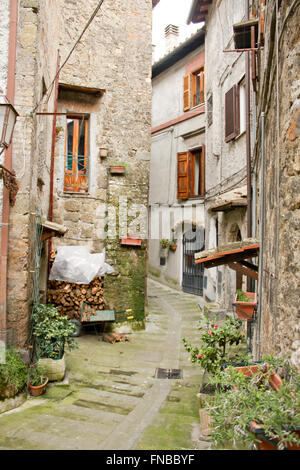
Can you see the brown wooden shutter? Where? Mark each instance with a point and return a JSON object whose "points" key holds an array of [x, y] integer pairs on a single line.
{"points": [[202, 87], [183, 175], [202, 180], [186, 92], [231, 114]]}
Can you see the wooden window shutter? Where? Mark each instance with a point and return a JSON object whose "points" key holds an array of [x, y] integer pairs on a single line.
{"points": [[202, 181], [231, 114], [183, 175], [202, 77], [186, 92]]}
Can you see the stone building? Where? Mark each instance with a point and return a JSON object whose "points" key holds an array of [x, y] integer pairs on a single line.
{"points": [[177, 169], [83, 92], [277, 178], [269, 34], [229, 140]]}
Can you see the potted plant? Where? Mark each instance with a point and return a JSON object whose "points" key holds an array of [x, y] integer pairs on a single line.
{"points": [[119, 168], [255, 408], [216, 348], [53, 333], [245, 304], [173, 245], [216, 343], [37, 380], [164, 243]]}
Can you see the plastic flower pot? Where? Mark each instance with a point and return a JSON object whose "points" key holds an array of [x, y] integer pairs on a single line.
{"points": [[245, 310], [37, 390]]}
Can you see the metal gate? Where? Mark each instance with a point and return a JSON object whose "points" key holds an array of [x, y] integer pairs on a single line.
{"points": [[192, 278]]}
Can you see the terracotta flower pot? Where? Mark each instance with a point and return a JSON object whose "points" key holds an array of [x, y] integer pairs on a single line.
{"points": [[173, 247], [117, 169], [265, 443], [37, 390], [245, 310]]}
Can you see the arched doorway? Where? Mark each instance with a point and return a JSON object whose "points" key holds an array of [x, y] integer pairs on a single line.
{"points": [[193, 241]]}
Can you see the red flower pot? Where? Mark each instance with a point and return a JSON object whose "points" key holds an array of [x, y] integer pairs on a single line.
{"points": [[37, 390], [265, 443], [245, 310], [117, 169]]}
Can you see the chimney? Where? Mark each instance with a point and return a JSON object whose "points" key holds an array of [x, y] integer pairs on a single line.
{"points": [[171, 36]]}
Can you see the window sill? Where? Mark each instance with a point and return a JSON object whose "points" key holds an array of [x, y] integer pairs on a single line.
{"points": [[75, 193], [197, 106], [193, 198]]}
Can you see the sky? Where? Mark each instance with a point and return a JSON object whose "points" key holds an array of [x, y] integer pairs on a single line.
{"points": [[170, 12]]}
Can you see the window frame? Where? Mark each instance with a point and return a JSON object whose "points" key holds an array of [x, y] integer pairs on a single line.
{"points": [[236, 130], [75, 179], [187, 160], [190, 88]]}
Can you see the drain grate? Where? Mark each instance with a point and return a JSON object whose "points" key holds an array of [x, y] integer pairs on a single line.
{"points": [[168, 373]]}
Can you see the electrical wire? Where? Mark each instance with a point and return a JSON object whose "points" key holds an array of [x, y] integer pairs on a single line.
{"points": [[69, 54]]}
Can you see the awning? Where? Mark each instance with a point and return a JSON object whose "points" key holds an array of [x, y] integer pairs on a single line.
{"points": [[51, 229], [230, 200], [234, 255]]}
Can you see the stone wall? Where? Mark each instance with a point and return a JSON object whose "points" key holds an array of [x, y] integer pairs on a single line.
{"points": [[4, 39], [114, 55], [279, 333]]}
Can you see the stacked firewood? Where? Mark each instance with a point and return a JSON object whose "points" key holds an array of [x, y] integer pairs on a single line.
{"points": [[68, 297]]}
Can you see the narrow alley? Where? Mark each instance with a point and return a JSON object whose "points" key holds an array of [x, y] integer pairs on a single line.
{"points": [[111, 398]]}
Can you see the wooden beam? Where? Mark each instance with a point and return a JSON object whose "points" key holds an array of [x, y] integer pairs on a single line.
{"points": [[249, 265], [242, 269]]}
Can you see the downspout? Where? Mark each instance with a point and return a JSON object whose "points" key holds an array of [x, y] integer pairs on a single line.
{"points": [[262, 228], [13, 21], [248, 145]]}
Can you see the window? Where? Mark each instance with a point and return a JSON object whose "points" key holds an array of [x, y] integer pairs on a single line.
{"points": [[76, 154], [235, 111], [191, 174], [193, 89]]}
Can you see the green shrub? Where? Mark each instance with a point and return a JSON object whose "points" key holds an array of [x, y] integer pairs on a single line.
{"points": [[52, 331], [215, 341], [240, 399], [13, 374]]}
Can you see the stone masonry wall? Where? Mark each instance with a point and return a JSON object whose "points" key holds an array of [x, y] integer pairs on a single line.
{"points": [[280, 333], [115, 56], [4, 39]]}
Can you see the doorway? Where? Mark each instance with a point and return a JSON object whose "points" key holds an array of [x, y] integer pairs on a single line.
{"points": [[193, 274]]}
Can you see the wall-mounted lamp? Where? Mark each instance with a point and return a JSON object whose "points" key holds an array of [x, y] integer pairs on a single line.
{"points": [[8, 117]]}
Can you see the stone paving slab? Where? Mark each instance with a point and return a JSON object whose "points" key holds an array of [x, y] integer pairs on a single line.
{"points": [[111, 398]]}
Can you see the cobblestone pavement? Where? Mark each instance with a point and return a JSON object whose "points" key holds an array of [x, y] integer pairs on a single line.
{"points": [[111, 398]]}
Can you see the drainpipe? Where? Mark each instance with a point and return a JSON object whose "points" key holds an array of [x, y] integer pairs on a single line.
{"points": [[248, 145], [262, 227], [13, 20]]}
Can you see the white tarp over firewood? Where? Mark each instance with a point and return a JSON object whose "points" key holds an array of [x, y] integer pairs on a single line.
{"points": [[76, 264]]}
